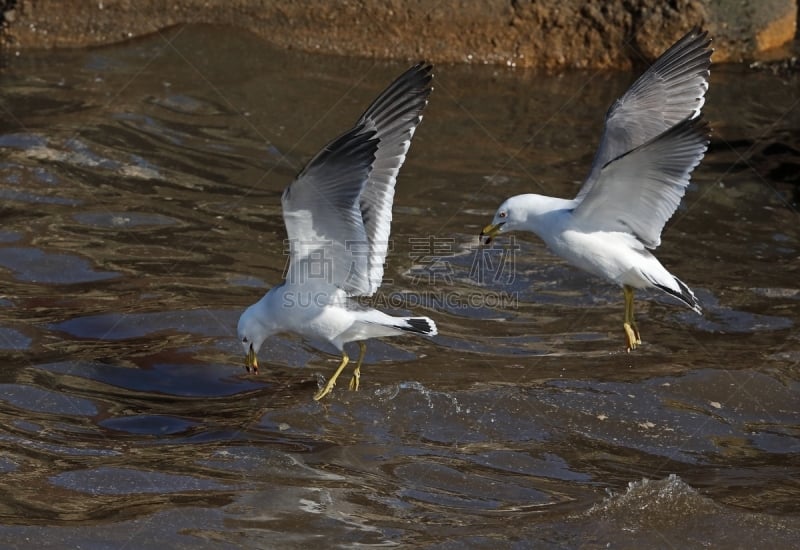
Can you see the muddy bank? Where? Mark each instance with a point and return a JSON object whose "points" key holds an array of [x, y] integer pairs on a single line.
{"points": [[570, 33]]}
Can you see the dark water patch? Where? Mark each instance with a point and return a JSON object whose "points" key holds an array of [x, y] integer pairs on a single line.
{"points": [[22, 141], [270, 462], [38, 446], [197, 380], [464, 418], [122, 326], [126, 481], [154, 425], [9, 236], [186, 104], [7, 465], [717, 318], [184, 527], [39, 400], [36, 266], [24, 196], [513, 347], [549, 465], [247, 281], [440, 485], [27, 426], [12, 339]]}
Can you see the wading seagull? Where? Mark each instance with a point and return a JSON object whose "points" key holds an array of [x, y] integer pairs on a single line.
{"points": [[338, 214], [653, 138]]}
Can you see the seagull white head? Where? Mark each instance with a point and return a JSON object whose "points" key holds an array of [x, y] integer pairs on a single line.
{"points": [[528, 212], [254, 327], [513, 215]]}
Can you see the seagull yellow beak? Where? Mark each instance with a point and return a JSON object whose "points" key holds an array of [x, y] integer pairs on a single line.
{"points": [[491, 231], [251, 363]]}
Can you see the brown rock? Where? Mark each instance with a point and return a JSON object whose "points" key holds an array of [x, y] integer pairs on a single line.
{"points": [[548, 34], [742, 30]]}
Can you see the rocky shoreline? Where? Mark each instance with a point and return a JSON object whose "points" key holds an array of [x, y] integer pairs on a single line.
{"points": [[525, 33]]}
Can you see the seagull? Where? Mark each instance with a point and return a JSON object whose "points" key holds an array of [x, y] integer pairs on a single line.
{"points": [[338, 214], [654, 137]]}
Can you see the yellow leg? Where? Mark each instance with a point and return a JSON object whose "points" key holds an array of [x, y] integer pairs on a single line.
{"points": [[631, 330], [332, 382], [634, 326], [357, 373]]}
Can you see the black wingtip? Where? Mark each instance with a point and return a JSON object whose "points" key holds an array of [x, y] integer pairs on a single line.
{"points": [[424, 71], [690, 52], [697, 34], [685, 295], [418, 325], [423, 67], [405, 96]]}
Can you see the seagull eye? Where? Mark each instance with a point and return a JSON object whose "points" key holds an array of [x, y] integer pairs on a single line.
{"points": [[502, 214], [244, 340]]}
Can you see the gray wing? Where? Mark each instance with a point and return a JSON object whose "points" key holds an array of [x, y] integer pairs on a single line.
{"points": [[639, 191], [395, 114], [323, 217], [672, 89]]}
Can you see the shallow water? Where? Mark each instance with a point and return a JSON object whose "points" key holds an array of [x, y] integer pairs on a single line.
{"points": [[141, 212]]}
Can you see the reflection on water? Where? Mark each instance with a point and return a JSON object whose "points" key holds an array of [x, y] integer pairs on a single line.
{"points": [[141, 207]]}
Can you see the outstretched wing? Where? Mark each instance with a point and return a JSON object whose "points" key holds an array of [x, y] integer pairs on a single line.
{"points": [[395, 115], [672, 89], [323, 217], [639, 191]]}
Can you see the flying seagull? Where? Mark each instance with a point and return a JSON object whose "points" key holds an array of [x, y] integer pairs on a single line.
{"points": [[654, 137], [338, 214]]}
